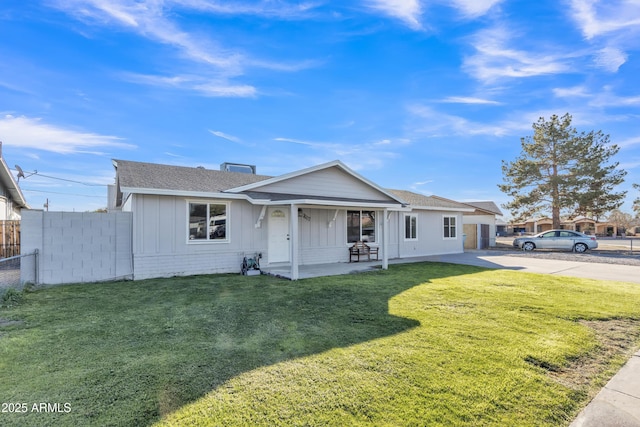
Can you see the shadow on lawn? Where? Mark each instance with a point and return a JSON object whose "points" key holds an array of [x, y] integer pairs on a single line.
{"points": [[255, 322], [148, 348]]}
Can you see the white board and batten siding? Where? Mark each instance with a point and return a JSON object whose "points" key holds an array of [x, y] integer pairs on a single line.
{"points": [[430, 235], [329, 182], [321, 244], [161, 245], [323, 240]]}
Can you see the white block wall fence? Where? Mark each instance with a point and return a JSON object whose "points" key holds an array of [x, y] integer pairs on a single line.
{"points": [[76, 247]]}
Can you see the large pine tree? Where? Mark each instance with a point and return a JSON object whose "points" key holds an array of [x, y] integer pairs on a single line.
{"points": [[563, 172], [636, 202]]}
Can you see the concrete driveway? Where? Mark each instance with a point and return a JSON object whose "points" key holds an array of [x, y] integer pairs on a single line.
{"points": [[589, 267]]}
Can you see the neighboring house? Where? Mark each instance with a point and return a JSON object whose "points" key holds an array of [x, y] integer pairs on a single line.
{"points": [[11, 199], [480, 226], [198, 221], [501, 227], [581, 224], [11, 204]]}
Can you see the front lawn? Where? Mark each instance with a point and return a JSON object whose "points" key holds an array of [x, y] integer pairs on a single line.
{"points": [[420, 344]]}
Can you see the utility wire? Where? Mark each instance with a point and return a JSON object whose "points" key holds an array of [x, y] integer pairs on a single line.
{"points": [[56, 192], [64, 179]]}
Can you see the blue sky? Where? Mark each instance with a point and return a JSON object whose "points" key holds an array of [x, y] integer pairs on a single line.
{"points": [[427, 96]]}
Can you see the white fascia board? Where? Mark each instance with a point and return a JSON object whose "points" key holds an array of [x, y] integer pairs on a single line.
{"points": [[234, 196], [434, 208], [334, 203], [183, 193]]}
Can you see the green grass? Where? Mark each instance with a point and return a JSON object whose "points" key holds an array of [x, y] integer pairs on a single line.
{"points": [[421, 344]]}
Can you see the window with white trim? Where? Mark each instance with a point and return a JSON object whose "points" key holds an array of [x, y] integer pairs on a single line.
{"points": [[361, 225], [410, 227], [450, 231], [208, 222]]}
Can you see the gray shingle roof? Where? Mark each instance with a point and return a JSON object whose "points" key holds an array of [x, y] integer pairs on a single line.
{"points": [[486, 206], [415, 199], [152, 176], [180, 178]]}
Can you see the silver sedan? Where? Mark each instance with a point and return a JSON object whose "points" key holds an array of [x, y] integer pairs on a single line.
{"points": [[557, 239]]}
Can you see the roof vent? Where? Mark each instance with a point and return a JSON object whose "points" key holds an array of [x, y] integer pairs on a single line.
{"points": [[238, 167]]}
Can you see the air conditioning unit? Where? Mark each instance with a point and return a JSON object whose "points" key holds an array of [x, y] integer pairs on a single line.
{"points": [[238, 167]]}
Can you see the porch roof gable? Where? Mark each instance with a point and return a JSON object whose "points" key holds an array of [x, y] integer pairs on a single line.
{"points": [[276, 184]]}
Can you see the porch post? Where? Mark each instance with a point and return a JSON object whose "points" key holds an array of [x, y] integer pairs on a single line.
{"points": [[385, 238], [293, 244]]}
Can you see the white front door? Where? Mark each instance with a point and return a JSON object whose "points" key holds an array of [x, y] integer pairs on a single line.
{"points": [[278, 235]]}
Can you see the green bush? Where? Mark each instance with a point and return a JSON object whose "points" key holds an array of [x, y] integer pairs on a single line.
{"points": [[10, 297]]}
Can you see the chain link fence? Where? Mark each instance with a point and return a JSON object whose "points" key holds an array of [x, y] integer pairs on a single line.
{"points": [[10, 270]]}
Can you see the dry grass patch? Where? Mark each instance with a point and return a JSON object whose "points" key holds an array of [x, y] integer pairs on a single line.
{"points": [[617, 341]]}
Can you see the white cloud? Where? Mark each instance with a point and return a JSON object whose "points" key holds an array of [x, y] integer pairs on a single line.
{"points": [[225, 90], [474, 8], [300, 142], [469, 100], [436, 123], [599, 17], [212, 88], [231, 138], [407, 11], [571, 92], [495, 59], [610, 59], [410, 11], [225, 136], [264, 8], [154, 20], [608, 99], [148, 19], [25, 132], [629, 142], [614, 24]]}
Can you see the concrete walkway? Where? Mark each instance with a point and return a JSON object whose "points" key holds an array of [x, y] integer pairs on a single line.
{"points": [[618, 403], [531, 264], [488, 259]]}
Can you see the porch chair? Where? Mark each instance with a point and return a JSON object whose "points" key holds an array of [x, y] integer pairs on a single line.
{"points": [[359, 249]]}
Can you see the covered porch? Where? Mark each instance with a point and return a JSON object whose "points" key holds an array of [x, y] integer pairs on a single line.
{"points": [[320, 270], [342, 268], [305, 237]]}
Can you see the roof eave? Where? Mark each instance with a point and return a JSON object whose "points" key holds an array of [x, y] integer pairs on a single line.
{"points": [[12, 186], [235, 196], [441, 208], [182, 193]]}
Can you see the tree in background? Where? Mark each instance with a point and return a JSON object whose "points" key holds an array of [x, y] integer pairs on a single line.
{"points": [[636, 202], [622, 221], [561, 171]]}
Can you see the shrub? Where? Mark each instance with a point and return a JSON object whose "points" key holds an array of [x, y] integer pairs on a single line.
{"points": [[10, 297]]}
